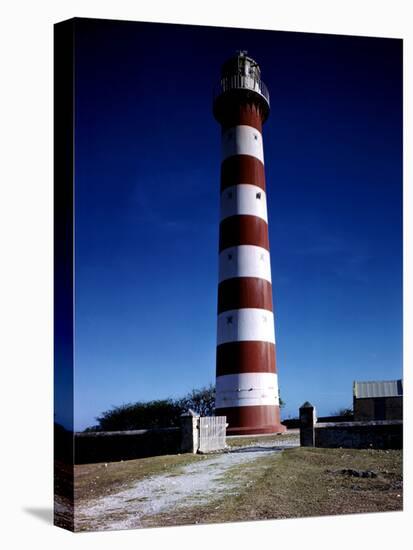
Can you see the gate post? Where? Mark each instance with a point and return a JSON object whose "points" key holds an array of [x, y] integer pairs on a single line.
{"points": [[307, 422], [189, 432]]}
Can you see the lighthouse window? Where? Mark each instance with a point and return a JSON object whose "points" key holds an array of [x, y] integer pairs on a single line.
{"points": [[255, 136], [229, 195], [229, 256], [229, 320], [258, 195]]}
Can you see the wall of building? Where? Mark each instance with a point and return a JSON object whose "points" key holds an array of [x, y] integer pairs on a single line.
{"points": [[378, 408], [394, 408]]}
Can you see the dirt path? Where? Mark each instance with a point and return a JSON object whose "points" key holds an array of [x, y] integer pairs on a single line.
{"points": [[194, 484]]}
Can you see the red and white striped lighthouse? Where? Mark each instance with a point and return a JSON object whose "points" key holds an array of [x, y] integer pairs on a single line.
{"points": [[246, 375]]}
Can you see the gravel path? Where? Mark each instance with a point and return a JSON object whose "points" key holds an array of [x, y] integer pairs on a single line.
{"points": [[195, 484]]}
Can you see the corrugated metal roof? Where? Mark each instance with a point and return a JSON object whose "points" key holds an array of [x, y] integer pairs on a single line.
{"points": [[384, 388]]}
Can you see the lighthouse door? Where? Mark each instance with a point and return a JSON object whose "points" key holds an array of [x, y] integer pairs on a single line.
{"points": [[212, 432]]}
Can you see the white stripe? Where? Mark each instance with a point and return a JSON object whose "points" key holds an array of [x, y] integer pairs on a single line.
{"points": [[245, 260], [246, 324], [247, 389], [242, 140], [244, 199]]}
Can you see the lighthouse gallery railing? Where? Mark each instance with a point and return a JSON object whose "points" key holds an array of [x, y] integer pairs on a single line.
{"points": [[239, 82]]}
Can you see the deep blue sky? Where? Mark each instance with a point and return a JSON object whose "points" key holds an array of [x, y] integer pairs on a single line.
{"points": [[147, 196]]}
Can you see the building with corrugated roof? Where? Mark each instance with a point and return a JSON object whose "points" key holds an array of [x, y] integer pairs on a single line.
{"points": [[378, 400]]}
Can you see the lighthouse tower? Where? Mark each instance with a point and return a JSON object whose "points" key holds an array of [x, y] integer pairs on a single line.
{"points": [[246, 376]]}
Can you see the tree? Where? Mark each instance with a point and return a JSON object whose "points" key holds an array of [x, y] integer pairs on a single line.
{"points": [[134, 416], [345, 411], [162, 413], [201, 401]]}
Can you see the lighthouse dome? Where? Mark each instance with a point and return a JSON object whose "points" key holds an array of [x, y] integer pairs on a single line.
{"points": [[241, 64], [240, 82]]}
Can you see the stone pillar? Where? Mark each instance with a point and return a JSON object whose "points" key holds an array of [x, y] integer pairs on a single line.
{"points": [[307, 425], [189, 433]]}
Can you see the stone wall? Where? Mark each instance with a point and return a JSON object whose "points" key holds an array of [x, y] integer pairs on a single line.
{"points": [[294, 423], [385, 434], [125, 445], [380, 434]]}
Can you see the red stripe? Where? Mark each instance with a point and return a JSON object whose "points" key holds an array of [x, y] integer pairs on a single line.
{"points": [[242, 169], [252, 420], [238, 105], [248, 114], [237, 230], [243, 357], [242, 292]]}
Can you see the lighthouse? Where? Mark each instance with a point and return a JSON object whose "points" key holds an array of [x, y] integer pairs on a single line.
{"points": [[246, 375]]}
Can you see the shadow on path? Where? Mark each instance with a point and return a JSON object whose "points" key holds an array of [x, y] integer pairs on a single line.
{"points": [[257, 449]]}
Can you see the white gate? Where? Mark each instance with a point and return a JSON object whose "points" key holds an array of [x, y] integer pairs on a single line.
{"points": [[212, 432]]}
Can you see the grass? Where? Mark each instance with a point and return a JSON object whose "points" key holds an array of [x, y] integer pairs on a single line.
{"points": [[302, 482], [97, 480]]}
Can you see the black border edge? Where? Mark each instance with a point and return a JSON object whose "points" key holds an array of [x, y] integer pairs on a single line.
{"points": [[63, 264]]}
